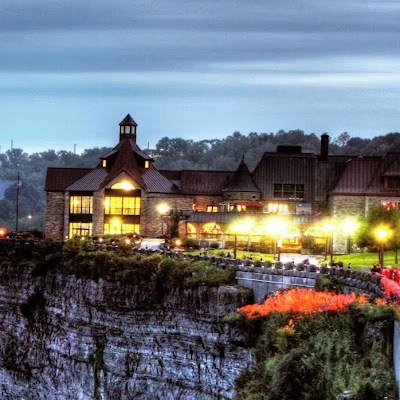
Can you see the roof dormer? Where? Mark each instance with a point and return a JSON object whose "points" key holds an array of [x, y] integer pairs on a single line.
{"points": [[127, 128]]}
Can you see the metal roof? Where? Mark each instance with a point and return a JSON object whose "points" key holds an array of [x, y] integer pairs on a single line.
{"points": [[157, 183], [90, 182], [204, 182], [58, 179]]}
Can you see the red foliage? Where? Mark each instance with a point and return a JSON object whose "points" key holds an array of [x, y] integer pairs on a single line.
{"points": [[302, 301], [390, 287]]}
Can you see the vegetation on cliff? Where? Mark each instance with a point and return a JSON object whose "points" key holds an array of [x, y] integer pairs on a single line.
{"points": [[316, 346], [155, 273]]}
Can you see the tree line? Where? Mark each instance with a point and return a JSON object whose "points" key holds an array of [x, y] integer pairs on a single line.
{"points": [[169, 153]]}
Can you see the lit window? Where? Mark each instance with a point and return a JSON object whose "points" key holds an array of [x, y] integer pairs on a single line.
{"points": [[104, 163], [80, 229], [212, 208], [122, 206], [81, 205], [147, 164], [277, 207], [121, 229], [123, 185]]}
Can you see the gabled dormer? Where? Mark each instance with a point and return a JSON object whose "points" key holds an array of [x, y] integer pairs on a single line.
{"points": [[127, 129]]}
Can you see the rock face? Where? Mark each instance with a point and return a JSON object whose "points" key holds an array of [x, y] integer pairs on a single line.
{"points": [[62, 337]]}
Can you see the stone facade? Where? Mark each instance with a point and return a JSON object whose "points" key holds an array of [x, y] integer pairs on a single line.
{"points": [[54, 223]]}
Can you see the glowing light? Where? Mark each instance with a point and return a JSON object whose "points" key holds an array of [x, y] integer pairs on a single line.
{"points": [[3, 232], [125, 185], [178, 242], [115, 222], [127, 241], [163, 208]]}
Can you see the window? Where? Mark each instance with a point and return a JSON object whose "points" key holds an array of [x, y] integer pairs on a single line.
{"points": [[104, 163], [80, 229], [118, 229], [126, 185], [147, 164], [277, 207], [81, 205], [392, 182], [122, 206], [212, 209], [289, 191]]}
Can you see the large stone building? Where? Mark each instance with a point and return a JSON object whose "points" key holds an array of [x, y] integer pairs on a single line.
{"points": [[125, 194]]}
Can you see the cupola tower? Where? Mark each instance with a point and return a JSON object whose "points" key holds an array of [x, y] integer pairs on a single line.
{"points": [[127, 128]]}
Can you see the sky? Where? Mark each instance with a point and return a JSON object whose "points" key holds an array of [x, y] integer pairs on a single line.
{"points": [[70, 70]]}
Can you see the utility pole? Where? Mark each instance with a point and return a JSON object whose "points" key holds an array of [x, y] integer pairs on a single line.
{"points": [[17, 207]]}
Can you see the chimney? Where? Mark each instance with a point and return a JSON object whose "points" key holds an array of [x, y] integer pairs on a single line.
{"points": [[324, 147]]}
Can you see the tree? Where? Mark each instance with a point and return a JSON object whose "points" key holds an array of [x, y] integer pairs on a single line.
{"points": [[380, 217]]}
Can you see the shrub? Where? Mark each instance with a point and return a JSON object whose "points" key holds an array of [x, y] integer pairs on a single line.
{"points": [[190, 242], [214, 245]]}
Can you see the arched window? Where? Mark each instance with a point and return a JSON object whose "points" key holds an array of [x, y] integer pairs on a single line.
{"points": [[126, 185]]}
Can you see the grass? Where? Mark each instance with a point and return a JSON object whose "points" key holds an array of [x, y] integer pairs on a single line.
{"points": [[359, 261]]}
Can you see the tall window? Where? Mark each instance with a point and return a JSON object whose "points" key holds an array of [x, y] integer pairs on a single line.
{"points": [[289, 191], [81, 205], [122, 205]]}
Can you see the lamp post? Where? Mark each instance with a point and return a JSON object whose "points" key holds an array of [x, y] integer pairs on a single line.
{"points": [[329, 228], [275, 227], [382, 234], [162, 209], [349, 226]]}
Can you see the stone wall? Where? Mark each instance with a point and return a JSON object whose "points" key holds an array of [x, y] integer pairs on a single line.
{"points": [[54, 223], [87, 340], [202, 202], [150, 218]]}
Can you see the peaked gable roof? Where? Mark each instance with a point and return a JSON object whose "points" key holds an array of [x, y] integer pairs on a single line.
{"points": [[242, 181], [128, 120]]}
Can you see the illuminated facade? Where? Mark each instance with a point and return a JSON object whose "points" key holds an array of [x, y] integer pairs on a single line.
{"points": [[126, 194]]}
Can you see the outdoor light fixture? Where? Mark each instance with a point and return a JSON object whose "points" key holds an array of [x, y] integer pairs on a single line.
{"points": [[329, 228], [382, 235], [349, 226], [163, 210]]}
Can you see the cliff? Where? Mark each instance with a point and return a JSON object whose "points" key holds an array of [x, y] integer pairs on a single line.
{"points": [[63, 337]]}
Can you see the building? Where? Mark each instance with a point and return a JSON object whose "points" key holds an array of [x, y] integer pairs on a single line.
{"points": [[125, 194]]}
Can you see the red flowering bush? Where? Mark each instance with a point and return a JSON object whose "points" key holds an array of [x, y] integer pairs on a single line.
{"points": [[390, 287], [302, 301]]}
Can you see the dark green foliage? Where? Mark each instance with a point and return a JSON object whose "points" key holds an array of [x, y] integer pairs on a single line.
{"points": [[190, 242], [174, 223], [324, 282], [322, 356], [214, 245]]}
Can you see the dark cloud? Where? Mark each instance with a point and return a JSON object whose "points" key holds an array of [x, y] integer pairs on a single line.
{"points": [[266, 64]]}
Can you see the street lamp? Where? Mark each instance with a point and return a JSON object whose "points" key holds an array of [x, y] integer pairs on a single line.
{"points": [[329, 228], [382, 234], [349, 226], [235, 229], [163, 210], [275, 227]]}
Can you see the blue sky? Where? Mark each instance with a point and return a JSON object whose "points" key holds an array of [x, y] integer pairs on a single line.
{"points": [[71, 70]]}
